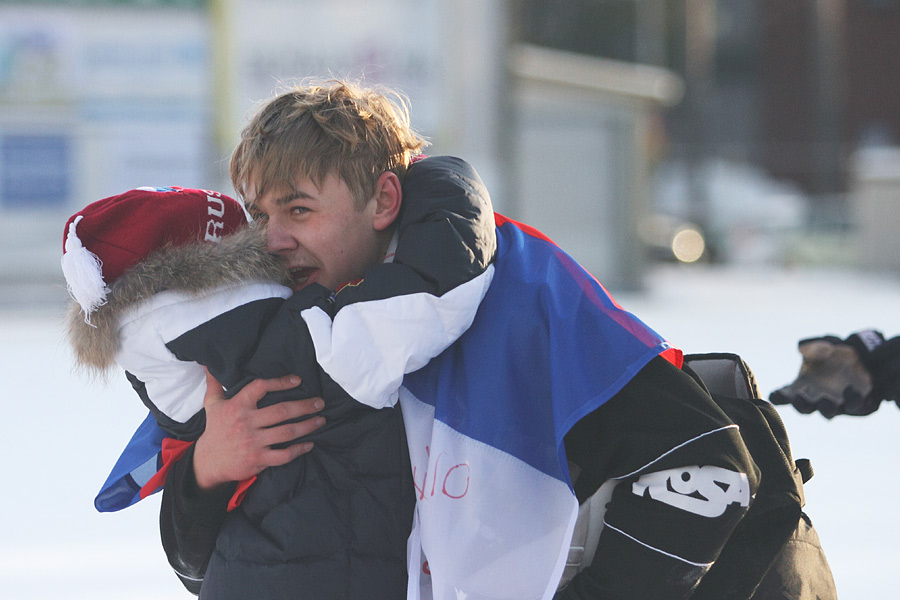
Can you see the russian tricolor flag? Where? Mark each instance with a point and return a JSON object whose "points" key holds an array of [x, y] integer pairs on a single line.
{"points": [[487, 417]]}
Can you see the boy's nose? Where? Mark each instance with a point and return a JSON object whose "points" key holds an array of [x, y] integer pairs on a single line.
{"points": [[278, 238]]}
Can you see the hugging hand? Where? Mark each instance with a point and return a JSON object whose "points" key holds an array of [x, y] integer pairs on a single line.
{"points": [[240, 438]]}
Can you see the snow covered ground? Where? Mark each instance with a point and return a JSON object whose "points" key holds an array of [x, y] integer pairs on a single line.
{"points": [[60, 434]]}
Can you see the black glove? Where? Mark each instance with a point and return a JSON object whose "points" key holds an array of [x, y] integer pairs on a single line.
{"points": [[843, 377]]}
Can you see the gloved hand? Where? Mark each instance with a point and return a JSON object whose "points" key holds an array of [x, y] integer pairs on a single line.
{"points": [[843, 377]]}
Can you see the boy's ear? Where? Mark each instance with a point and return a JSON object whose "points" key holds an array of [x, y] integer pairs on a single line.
{"points": [[388, 197]]}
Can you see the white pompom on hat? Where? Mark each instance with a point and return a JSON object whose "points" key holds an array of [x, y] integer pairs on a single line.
{"points": [[107, 237]]}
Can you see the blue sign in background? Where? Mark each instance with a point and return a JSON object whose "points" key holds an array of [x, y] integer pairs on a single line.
{"points": [[35, 170]]}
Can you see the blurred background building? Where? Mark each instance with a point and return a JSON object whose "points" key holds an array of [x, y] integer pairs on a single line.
{"points": [[631, 131]]}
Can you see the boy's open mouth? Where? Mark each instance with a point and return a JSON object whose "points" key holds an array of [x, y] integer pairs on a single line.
{"points": [[300, 275]]}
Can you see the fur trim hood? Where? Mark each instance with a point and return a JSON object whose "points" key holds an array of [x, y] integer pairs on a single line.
{"points": [[194, 268]]}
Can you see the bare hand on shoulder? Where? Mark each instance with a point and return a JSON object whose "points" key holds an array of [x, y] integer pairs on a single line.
{"points": [[237, 443]]}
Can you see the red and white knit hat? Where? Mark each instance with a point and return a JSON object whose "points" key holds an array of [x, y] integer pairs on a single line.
{"points": [[103, 240]]}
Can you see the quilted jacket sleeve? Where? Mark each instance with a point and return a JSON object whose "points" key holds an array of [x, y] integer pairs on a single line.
{"points": [[684, 481]]}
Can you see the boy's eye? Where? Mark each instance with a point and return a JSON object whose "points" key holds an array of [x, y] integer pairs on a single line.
{"points": [[299, 210]]}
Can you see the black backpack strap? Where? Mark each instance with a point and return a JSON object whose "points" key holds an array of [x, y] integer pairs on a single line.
{"points": [[777, 507], [723, 374]]}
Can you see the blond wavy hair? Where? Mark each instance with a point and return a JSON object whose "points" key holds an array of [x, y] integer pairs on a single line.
{"points": [[314, 130]]}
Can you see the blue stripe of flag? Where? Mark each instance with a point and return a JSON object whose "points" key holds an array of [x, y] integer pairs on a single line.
{"points": [[547, 346]]}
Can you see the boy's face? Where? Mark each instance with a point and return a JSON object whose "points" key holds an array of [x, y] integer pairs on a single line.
{"points": [[320, 232]]}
